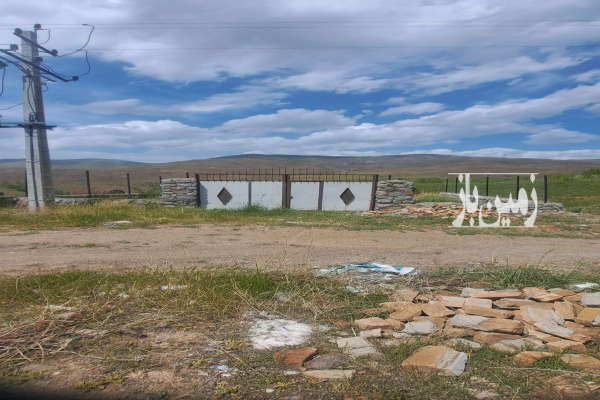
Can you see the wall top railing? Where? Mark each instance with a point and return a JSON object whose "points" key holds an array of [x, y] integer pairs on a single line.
{"points": [[280, 174]]}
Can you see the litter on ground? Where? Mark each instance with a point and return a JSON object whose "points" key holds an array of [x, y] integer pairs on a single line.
{"points": [[367, 267]]}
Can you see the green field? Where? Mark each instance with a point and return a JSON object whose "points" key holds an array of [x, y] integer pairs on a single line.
{"points": [[580, 193]]}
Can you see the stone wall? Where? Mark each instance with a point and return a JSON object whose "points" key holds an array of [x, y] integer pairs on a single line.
{"points": [[393, 194], [178, 192], [342, 196]]}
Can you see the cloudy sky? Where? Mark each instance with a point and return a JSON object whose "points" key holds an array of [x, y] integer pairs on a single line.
{"points": [[188, 79]]}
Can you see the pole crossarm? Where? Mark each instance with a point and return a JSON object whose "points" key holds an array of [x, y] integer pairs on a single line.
{"points": [[19, 33], [26, 125], [38, 67]]}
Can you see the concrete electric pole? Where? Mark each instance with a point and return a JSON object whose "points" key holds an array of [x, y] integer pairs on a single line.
{"points": [[40, 192]]}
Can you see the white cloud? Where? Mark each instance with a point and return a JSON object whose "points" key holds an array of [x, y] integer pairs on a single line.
{"points": [[299, 121], [331, 81], [245, 97], [588, 76], [552, 135], [464, 41], [467, 76], [417, 109], [575, 154], [302, 131]]}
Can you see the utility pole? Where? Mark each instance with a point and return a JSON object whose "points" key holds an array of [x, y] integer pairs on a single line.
{"points": [[40, 192], [37, 156]]}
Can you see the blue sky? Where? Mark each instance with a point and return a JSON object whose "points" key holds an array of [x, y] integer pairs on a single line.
{"points": [[187, 79]]}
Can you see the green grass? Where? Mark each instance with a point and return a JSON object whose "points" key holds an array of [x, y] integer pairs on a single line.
{"points": [[92, 215], [517, 278], [214, 304], [97, 214], [579, 193]]}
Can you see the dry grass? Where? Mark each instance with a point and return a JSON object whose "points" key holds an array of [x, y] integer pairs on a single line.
{"points": [[155, 341]]}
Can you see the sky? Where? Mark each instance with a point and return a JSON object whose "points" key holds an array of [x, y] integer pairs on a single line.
{"points": [[188, 79]]}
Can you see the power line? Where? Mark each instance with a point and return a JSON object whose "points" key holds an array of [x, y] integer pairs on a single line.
{"points": [[3, 76], [284, 23], [92, 28]]}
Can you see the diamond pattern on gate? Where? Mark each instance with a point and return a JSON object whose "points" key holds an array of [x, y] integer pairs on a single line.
{"points": [[347, 196], [224, 196]]}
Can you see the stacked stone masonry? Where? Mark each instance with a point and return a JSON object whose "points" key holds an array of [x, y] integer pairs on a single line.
{"points": [[178, 192], [393, 194]]}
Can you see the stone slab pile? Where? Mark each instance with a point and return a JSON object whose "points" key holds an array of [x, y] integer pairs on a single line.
{"points": [[533, 323]]}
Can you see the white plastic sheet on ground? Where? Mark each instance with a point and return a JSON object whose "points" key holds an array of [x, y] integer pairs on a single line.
{"points": [[368, 267]]}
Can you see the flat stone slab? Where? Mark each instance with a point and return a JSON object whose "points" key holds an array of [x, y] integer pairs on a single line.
{"points": [[420, 327], [436, 310], [452, 301], [587, 316], [487, 324], [296, 357], [326, 361], [591, 299], [372, 323], [527, 358], [439, 359], [534, 314], [497, 294], [327, 374], [356, 346], [581, 361], [407, 313]]}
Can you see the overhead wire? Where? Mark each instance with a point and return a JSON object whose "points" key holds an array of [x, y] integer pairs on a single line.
{"points": [[3, 76]]}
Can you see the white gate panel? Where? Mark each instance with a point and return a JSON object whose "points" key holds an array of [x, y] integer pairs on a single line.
{"points": [[305, 196], [360, 190], [209, 191], [266, 194]]}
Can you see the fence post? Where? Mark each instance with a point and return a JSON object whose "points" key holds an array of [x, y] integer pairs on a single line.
{"points": [[389, 177], [517, 192], [197, 190], [284, 189], [446, 185], [159, 179], [320, 200], [187, 174], [373, 192], [26, 191], [545, 188], [487, 185], [456, 185], [128, 186], [87, 179]]}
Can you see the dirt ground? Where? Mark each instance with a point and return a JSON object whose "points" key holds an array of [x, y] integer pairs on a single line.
{"points": [[277, 247]]}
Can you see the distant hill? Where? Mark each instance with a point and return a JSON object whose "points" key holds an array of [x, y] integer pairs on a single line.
{"points": [[69, 175], [18, 162]]}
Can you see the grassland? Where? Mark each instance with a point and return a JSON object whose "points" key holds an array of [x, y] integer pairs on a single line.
{"points": [[98, 214], [135, 316]]}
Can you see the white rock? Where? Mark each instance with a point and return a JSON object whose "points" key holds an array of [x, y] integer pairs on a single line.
{"points": [[591, 299], [579, 287], [419, 327]]}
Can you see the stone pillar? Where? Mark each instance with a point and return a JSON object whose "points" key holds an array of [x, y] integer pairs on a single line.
{"points": [[394, 194]]}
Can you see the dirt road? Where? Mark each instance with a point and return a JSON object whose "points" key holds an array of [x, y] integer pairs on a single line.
{"points": [[270, 247]]}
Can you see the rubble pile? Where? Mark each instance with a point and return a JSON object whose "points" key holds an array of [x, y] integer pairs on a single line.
{"points": [[444, 210], [532, 323]]}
